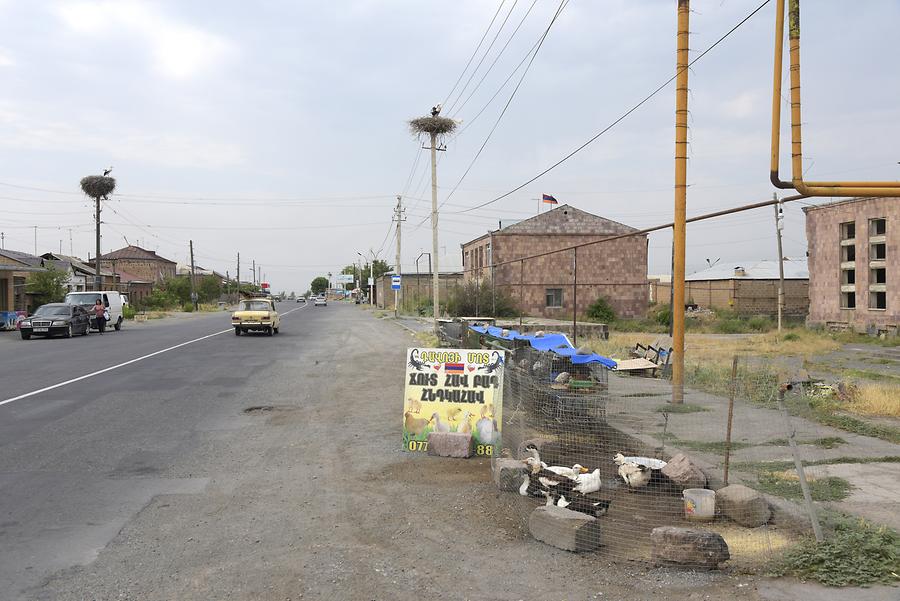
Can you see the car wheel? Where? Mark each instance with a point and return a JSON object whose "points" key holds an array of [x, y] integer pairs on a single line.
{"points": [[25, 335], [276, 330], [86, 330], [118, 324], [68, 333], [269, 331], [237, 331]]}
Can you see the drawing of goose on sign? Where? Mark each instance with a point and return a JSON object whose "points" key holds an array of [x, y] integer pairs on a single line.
{"points": [[453, 390]]}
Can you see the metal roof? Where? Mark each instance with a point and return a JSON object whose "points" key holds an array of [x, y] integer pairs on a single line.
{"points": [[794, 269]]}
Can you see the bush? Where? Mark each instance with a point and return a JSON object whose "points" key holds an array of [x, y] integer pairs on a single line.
{"points": [[128, 312], [187, 307], [760, 324], [601, 311], [662, 315], [471, 299]]}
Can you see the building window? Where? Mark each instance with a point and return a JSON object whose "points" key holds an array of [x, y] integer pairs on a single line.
{"points": [[878, 300], [848, 231], [554, 298], [848, 300], [848, 254], [878, 276], [877, 227], [848, 277], [877, 252]]}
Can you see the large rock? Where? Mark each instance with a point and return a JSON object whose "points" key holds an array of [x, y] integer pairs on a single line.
{"points": [[509, 473], [743, 505], [450, 444], [683, 473], [691, 547], [564, 528]]}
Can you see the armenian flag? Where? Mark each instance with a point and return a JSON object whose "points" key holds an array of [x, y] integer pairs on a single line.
{"points": [[454, 368], [548, 199]]}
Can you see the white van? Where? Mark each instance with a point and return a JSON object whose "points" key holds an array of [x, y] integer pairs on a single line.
{"points": [[112, 300]]}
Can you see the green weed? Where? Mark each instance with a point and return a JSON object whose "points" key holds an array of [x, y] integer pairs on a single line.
{"points": [[831, 488], [683, 408]]}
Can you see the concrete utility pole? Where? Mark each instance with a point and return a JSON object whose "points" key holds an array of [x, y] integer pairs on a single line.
{"points": [[3, 240], [779, 225], [254, 272], [35, 240], [98, 279], [239, 275], [398, 216], [679, 223], [193, 291], [435, 280]]}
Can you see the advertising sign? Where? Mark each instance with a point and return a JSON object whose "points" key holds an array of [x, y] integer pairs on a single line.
{"points": [[344, 278], [395, 282], [453, 390]]}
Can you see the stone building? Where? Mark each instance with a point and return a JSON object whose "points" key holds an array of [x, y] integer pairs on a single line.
{"points": [[543, 286], [139, 263], [854, 272], [416, 288]]}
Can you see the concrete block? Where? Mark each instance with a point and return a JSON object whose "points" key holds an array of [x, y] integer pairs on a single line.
{"points": [[691, 547], [683, 473], [450, 444], [564, 529], [508, 474], [743, 505]]}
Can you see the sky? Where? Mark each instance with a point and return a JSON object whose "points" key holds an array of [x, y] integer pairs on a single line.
{"points": [[278, 130]]}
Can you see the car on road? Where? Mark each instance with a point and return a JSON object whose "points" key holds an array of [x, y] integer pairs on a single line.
{"points": [[112, 300], [53, 319], [256, 314], [321, 300]]}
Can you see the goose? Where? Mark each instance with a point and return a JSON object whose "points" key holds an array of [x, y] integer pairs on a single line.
{"points": [[581, 504], [547, 479], [568, 472], [439, 426], [588, 483], [653, 464], [634, 475]]}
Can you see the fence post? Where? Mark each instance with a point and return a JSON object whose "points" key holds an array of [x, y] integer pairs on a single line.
{"points": [[575, 296], [521, 291], [734, 362], [801, 474]]}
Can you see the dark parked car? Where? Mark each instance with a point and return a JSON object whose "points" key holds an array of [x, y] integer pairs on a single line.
{"points": [[56, 318]]}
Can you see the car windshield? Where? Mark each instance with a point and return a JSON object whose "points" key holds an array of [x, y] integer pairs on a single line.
{"points": [[52, 310], [254, 306], [82, 298]]}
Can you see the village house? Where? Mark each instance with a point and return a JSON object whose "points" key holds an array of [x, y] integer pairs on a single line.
{"points": [[543, 286], [854, 272], [141, 264]]}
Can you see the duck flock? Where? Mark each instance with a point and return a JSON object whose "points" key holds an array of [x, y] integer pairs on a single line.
{"points": [[569, 487]]}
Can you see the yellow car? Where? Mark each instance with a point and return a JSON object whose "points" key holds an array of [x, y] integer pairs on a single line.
{"points": [[255, 314]]}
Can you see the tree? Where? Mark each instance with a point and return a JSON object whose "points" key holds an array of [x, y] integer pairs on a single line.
{"points": [[47, 286], [319, 285], [209, 288]]}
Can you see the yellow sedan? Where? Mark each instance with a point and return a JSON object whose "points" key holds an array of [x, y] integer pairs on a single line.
{"points": [[255, 314]]}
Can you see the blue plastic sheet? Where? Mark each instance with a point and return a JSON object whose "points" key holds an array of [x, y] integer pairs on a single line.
{"points": [[555, 343]]}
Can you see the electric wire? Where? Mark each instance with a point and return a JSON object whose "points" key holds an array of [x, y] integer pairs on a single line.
{"points": [[475, 53]]}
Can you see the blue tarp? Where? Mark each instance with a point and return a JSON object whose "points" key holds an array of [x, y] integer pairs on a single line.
{"points": [[556, 343]]}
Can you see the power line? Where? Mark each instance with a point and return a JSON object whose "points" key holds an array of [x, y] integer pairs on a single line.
{"points": [[471, 58], [624, 115]]}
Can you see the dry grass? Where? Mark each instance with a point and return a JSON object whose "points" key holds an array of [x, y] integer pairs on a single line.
{"points": [[876, 399], [752, 548]]}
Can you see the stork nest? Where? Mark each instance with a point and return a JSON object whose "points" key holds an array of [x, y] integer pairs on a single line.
{"points": [[432, 126], [98, 186]]}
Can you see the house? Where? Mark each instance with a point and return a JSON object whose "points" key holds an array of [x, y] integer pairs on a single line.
{"points": [[14, 269], [140, 262], [415, 288], [543, 286], [82, 274], [854, 272], [747, 288]]}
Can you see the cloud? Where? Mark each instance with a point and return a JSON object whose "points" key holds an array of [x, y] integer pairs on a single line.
{"points": [[742, 106], [5, 59], [178, 51], [22, 131]]}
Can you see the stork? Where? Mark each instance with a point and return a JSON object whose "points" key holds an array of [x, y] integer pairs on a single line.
{"points": [[436, 109], [107, 171]]}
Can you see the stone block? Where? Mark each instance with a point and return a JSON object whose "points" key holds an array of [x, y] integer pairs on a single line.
{"points": [[691, 547], [508, 474], [450, 444], [564, 529], [683, 473], [743, 505]]}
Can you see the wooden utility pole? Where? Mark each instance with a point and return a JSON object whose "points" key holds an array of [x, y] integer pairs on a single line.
{"points": [[254, 272], [678, 228], [779, 225], [398, 216], [239, 275], [193, 291], [435, 280]]}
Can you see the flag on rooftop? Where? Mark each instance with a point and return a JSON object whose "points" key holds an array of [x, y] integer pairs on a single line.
{"points": [[550, 200]]}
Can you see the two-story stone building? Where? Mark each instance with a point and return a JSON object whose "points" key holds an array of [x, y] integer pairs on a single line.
{"points": [[543, 286], [854, 271], [139, 263]]}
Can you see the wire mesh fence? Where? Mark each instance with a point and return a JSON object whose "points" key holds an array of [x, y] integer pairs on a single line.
{"points": [[599, 461]]}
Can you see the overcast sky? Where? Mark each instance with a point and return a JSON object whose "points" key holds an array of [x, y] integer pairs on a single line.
{"points": [[277, 129]]}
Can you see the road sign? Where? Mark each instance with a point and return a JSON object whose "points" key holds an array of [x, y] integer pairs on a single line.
{"points": [[344, 278], [395, 282], [371, 281]]}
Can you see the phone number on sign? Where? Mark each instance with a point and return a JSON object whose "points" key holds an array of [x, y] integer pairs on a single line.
{"points": [[486, 450]]}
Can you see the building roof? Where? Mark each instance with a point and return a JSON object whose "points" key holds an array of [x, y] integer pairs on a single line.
{"points": [[566, 219], [22, 257], [130, 278], [841, 202], [134, 252], [794, 269]]}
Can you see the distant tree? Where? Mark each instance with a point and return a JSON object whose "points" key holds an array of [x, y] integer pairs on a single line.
{"points": [[209, 288], [319, 285], [47, 286]]}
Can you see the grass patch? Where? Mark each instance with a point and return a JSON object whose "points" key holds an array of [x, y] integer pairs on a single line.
{"points": [[827, 442], [716, 447], [857, 553], [876, 399], [785, 484], [683, 408], [642, 394], [775, 466], [427, 339]]}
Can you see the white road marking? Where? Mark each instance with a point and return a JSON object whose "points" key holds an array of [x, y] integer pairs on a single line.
{"points": [[135, 360]]}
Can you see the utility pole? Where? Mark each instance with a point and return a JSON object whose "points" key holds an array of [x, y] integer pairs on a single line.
{"points": [[254, 272], [98, 279], [35, 240], [239, 275], [779, 225], [435, 280], [679, 223], [398, 216], [193, 292], [72, 246], [3, 240]]}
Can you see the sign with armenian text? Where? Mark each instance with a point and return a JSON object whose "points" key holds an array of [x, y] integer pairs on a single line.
{"points": [[453, 390]]}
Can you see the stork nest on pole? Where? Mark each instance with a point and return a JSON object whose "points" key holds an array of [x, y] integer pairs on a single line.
{"points": [[98, 186], [432, 125]]}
